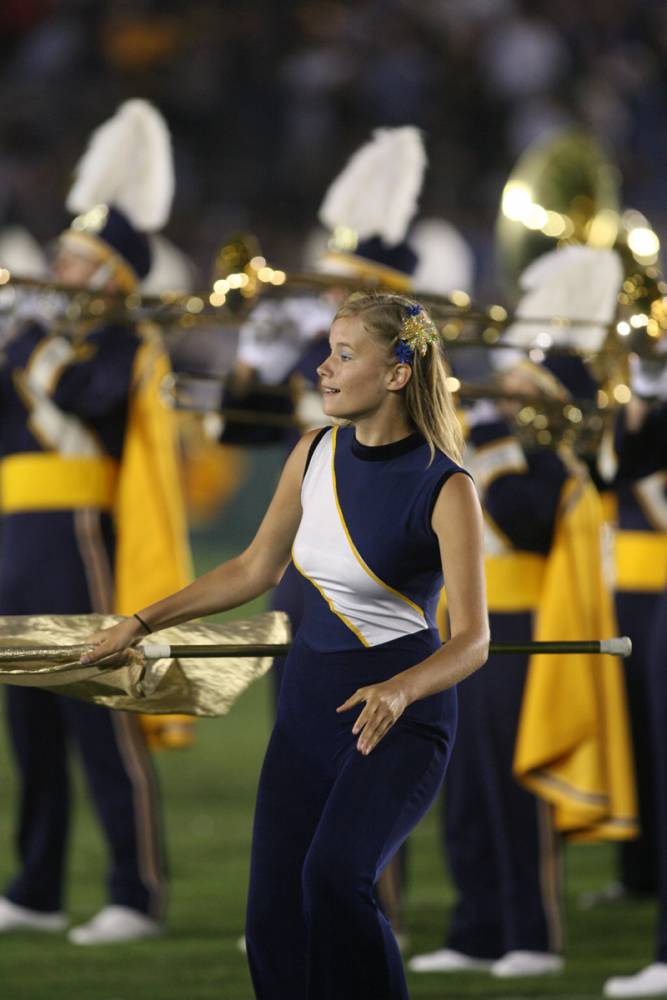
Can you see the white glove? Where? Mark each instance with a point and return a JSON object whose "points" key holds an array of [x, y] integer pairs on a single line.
{"points": [[483, 411], [648, 377]]}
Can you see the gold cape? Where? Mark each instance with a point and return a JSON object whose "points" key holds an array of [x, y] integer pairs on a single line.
{"points": [[573, 746], [206, 687]]}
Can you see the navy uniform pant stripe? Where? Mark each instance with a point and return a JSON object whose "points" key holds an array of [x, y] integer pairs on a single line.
{"points": [[94, 559], [147, 847]]}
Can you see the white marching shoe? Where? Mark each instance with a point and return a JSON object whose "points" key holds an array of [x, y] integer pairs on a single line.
{"points": [[447, 960], [648, 982], [19, 918], [527, 963], [115, 924]]}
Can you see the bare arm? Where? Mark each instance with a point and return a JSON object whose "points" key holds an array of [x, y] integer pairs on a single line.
{"points": [[457, 521], [234, 582]]}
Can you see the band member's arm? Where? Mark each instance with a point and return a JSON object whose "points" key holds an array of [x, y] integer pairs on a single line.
{"points": [[87, 377], [234, 582]]}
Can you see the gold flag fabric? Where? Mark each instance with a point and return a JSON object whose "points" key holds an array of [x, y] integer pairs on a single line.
{"points": [[152, 555], [573, 746], [44, 650]]}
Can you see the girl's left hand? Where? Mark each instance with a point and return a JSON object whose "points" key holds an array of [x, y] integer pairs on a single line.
{"points": [[385, 703]]}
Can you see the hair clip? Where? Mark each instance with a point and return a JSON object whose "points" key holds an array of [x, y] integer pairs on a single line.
{"points": [[417, 332]]}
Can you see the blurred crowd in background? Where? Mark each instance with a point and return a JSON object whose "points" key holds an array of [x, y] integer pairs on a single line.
{"points": [[267, 101]]}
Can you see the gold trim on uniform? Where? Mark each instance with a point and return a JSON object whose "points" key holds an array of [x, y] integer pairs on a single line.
{"points": [[95, 558], [134, 754], [550, 874], [514, 581], [353, 547], [496, 458], [640, 560], [39, 481]]}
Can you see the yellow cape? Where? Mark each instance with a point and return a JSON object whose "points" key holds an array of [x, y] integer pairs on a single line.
{"points": [[573, 746], [152, 554]]}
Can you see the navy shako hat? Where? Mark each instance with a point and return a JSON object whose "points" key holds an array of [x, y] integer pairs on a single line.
{"points": [[106, 234], [400, 257], [571, 372], [127, 241]]}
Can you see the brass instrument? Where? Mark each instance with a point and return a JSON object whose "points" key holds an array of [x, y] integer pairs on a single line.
{"points": [[242, 277], [564, 190], [545, 419]]}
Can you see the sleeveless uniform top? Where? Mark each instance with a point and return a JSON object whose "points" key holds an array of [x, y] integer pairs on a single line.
{"points": [[365, 546]]}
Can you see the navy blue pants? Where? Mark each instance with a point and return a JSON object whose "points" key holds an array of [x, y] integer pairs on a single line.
{"points": [[327, 822], [119, 776], [638, 858], [498, 837], [657, 685], [60, 563]]}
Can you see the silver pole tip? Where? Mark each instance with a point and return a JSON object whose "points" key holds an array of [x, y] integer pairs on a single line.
{"points": [[620, 646]]}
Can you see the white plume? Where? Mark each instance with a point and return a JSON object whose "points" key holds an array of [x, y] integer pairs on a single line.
{"points": [[314, 248], [171, 269], [577, 283], [376, 192], [21, 253], [445, 261], [128, 164]]}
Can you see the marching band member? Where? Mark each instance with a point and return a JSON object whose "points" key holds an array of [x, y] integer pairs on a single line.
{"points": [[373, 509], [367, 209], [501, 838], [641, 449], [89, 479], [640, 566], [498, 837]]}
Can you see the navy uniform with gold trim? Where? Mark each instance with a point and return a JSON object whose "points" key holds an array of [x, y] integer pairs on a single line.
{"points": [[570, 754], [324, 828], [642, 455], [93, 522], [499, 837], [641, 576], [66, 402]]}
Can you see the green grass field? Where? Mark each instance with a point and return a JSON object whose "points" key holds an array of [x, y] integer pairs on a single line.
{"points": [[208, 800]]}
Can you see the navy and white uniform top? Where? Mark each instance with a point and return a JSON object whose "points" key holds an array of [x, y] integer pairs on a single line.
{"points": [[365, 545]]}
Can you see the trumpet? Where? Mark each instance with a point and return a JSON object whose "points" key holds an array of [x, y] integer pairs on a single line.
{"points": [[539, 418]]}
